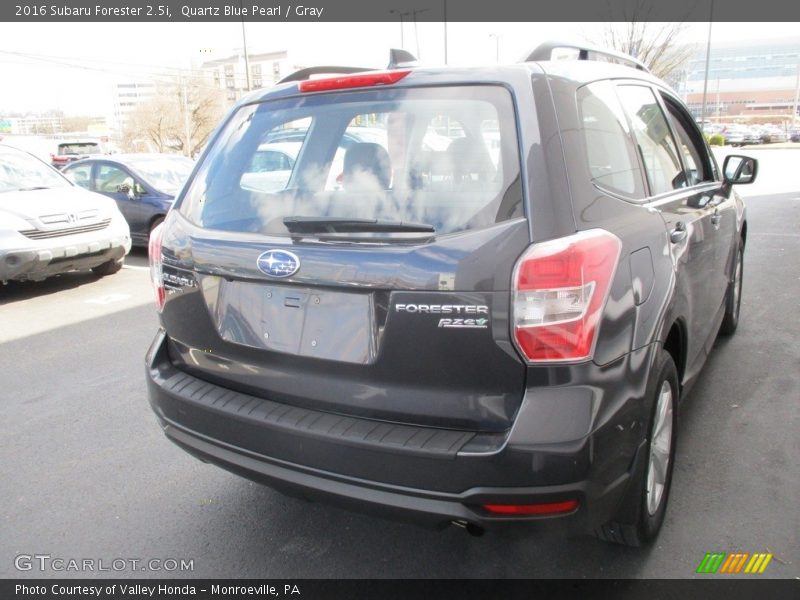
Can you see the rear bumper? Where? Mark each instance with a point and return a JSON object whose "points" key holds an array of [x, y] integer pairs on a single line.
{"points": [[414, 473]]}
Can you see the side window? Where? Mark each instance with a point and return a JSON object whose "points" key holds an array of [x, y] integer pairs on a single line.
{"points": [[610, 151], [656, 146], [109, 178], [695, 155], [80, 175]]}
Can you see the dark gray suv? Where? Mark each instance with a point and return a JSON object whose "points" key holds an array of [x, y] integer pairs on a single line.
{"points": [[485, 314]]}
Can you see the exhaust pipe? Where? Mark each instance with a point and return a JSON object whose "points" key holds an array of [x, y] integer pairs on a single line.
{"points": [[471, 528]]}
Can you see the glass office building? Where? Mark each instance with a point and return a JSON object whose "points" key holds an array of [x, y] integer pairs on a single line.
{"points": [[745, 79]]}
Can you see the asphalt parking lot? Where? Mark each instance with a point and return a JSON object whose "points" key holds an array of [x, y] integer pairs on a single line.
{"points": [[87, 473]]}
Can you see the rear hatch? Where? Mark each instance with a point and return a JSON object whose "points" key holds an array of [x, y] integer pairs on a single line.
{"points": [[68, 152], [361, 266]]}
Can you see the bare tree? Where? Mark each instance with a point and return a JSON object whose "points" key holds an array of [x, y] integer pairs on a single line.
{"points": [[179, 117], [657, 45]]}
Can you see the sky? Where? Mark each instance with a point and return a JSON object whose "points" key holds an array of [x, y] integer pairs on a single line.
{"points": [[73, 66]]}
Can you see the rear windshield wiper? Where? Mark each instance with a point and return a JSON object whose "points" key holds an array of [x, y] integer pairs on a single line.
{"points": [[346, 225]]}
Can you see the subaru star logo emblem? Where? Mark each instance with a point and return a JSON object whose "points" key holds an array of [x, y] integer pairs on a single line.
{"points": [[278, 263]]}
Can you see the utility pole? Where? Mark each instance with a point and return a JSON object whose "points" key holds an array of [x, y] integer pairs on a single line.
{"points": [[187, 129], [244, 49], [445, 31]]}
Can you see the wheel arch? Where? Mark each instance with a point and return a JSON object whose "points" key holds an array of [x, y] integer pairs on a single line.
{"points": [[675, 346]]}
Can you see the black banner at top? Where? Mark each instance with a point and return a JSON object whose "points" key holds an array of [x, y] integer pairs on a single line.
{"points": [[392, 10]]}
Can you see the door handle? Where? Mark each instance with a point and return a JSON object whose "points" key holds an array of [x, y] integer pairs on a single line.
{"points": [[678, 234], [716, 219]]}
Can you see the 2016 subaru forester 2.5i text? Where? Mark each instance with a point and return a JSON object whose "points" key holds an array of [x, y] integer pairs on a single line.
{"points": [[487, 316]]}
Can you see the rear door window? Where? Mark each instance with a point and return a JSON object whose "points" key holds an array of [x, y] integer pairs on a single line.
{"points": [[653, 137], [446, 157], [610, 150]]}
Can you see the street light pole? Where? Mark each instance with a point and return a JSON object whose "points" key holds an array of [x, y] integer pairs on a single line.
{"points": [[708, 62], [401, 14], [496, 47], [416, 35], [796, 92]]}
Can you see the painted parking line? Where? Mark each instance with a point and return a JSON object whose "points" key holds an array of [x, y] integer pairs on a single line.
{"points": [[107, 299], [135, 268], [770, 234]]}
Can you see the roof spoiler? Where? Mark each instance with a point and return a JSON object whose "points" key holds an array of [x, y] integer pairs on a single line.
{"points": [[545, 52], [304, 74], [397, 59]]}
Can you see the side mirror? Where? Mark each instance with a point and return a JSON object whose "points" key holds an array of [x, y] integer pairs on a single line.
{"points": [[739, 170]]}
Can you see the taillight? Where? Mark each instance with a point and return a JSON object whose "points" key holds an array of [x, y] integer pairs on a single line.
{"points": [[352, 81], [549, 508], [154, 251], [559, 291]]}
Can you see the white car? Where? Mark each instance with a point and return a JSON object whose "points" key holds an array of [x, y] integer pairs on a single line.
{"points": [[50, 226]]}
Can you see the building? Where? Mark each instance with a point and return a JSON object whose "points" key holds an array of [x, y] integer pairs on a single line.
{"points": [[747, 81], [32, 124], [128, 96], [230, 74]]}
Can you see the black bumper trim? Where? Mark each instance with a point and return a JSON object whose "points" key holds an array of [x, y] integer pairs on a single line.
{"points": [[366, 433]]}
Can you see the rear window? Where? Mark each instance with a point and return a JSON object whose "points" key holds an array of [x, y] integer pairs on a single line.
{"points": [[78, 148], [445, 157]]}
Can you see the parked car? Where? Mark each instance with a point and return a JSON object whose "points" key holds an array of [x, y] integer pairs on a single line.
{"points": [[753, 136], [143, 185], [452, 336], [740, 135], [794, 135], [772, 135], [49, 226]]}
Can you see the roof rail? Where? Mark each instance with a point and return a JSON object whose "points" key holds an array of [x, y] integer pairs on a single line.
{"points": [[545, 51], [304, 74]]}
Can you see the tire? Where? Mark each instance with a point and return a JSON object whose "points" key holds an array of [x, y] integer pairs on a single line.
{"points": [[733, 298], [108, 268], [642, 510]]}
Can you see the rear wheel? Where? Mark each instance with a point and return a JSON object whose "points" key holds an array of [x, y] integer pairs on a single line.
{"points": [[108, 268], [643, 509], [733, 299]]}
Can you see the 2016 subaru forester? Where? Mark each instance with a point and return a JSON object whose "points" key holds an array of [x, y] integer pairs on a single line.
{"points": [[464, 295]]}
